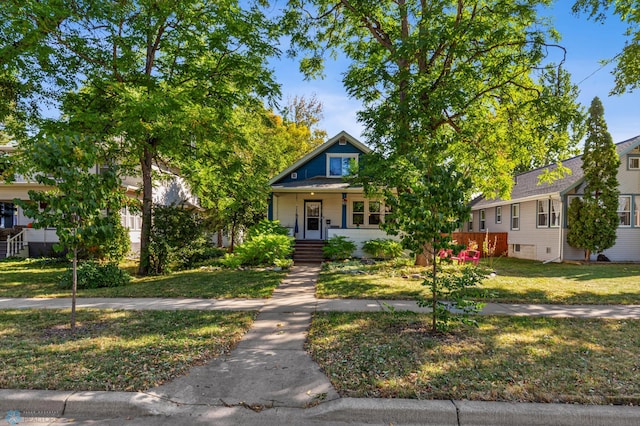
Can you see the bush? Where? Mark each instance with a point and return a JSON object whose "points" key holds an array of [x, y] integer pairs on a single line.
{"points": [[338, 248], [265, 249], [382, 248], [267, 227], [178, 240], [95, 275], [117, 247]]}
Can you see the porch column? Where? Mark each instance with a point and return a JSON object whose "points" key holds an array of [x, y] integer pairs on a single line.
{"points": [[270, 211], [344, 210]]}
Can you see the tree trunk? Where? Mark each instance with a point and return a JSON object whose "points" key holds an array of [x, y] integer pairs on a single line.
{"points": [[146, 162], [74, 289], [587, 255], [434, 299]]}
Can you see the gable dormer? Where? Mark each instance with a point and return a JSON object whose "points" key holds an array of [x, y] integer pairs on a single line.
{"points": [[330, 160]]}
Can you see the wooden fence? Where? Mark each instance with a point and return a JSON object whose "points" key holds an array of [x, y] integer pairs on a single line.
{"points": [[499, 238]]}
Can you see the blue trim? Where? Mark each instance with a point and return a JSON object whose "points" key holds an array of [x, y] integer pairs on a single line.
{"points": [[344, 211], [270, 211]]}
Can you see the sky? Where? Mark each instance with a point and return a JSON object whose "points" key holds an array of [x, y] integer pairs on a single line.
{"points": [[587, 44]]}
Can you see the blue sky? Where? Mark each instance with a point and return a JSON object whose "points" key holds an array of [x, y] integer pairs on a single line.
{"points": [[587, 44]]}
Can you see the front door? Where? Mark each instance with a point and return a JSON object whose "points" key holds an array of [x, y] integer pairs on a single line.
{"points": [[312, 220], [6, 215]]}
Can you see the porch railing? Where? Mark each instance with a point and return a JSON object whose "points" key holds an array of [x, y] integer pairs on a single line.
{"points": [[16, 244]]}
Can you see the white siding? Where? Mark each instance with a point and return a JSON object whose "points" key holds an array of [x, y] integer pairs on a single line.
{"points": [[359, 236], [541, 244]]}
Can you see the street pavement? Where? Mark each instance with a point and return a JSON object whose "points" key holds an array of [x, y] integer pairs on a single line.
{"points": [[269, 379]]}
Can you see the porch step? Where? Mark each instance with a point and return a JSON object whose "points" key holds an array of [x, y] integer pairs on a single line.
{"points": [[308, 251]]}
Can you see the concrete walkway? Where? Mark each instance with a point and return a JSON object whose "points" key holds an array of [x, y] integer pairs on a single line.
{"points": [[270, 369], [297, 302]]}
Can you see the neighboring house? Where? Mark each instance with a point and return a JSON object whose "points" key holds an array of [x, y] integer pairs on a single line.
{"points": [[18, 238], [535, 215], [314, 201]]}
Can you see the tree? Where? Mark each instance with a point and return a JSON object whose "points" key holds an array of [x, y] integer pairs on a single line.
{"points": [[160, 76], [306, 114], [257, 143], [82, 204], [596, 216], [627, 71], [445, 86]]}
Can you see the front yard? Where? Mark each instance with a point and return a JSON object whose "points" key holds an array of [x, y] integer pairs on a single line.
{"points": [[111, 350], [39, 278], [517, 281], [519, 359]]}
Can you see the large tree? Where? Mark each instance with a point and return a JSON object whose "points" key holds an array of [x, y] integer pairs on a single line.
{"points": [[627, 70], [159, 76], [232, 178], [455, 95], [594, 220], [467, 75]]}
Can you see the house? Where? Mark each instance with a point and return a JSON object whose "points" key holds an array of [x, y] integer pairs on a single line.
{"points": [[313, 200], [18, 238], [534, 216]]}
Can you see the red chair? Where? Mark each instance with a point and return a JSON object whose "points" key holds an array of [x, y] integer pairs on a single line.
{"points": [[460, 257], [472, 256]]}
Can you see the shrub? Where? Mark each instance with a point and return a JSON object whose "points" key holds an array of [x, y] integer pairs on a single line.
{"points": [[231, 261], [338, 248], [178, 240], [265, 249], [267, 227], [95, 275], [117, 247], [382, 248]]}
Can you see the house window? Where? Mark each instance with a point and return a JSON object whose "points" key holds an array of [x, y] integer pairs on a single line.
{"points": [[374, 212], [358, 212], [367, 213], [624, 210], [133, 221], [499, 214], [634, 163], [338, 165], [636, 211], [470, 223], [483, 222], [555, 209], [515, 217], [543, 213]]}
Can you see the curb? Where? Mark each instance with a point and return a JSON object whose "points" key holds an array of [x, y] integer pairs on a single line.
{"points": [[472, 413], [104, 404], [46, 403]]}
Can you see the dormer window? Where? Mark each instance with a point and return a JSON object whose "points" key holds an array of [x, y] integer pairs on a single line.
{"points": [[338, 164]]}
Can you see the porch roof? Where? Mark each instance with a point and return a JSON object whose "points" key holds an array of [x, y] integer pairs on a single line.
{"points": [[317, 184]]}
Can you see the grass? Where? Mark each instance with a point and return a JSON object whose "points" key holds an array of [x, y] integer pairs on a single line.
{"points": [[111, 350], [519, 359], [517, 281], [39, 278]]}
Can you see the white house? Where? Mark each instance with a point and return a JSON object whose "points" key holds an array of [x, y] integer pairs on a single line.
{"points": [[17, 238], [534, 216]]}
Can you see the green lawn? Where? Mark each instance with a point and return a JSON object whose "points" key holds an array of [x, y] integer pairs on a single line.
{"points": [[392, 355], [517, 281], [111, 350], [39, 278]]}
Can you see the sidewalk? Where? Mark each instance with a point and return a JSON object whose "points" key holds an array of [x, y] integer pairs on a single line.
{"points": [[312, 305], [270, 379]]}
